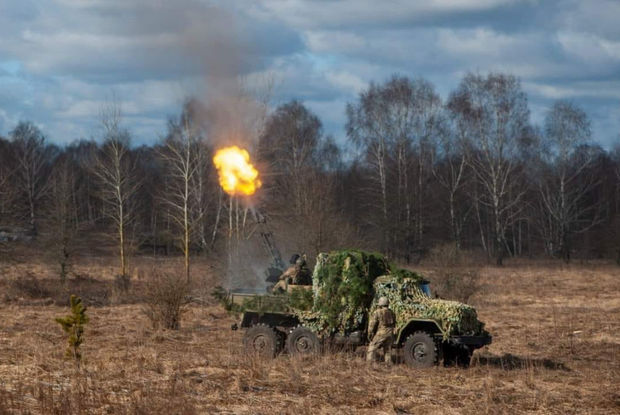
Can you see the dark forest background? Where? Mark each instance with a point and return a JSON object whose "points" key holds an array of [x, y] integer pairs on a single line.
{"points": [[417, 172]]}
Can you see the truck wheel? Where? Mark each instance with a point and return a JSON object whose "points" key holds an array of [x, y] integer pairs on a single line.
{"points": [[261, 340], [302, 341], [420, 350]]}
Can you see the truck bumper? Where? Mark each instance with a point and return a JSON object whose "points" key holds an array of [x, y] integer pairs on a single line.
{"points": [[475, 342]]}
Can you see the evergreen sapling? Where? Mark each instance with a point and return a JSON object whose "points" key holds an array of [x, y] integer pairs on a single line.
{"points": [[73, 325]]}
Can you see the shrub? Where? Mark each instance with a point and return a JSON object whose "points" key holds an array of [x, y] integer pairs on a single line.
{"points": [[446, 256], [458, 284], [456, 276], [166, 297], [28, 286], [122, 282]]}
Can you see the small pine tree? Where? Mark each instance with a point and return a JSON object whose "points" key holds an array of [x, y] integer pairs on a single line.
{"points": [[73, 325]]}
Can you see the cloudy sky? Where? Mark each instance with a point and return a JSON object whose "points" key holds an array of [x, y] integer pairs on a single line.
{"points": [[60, 60]]}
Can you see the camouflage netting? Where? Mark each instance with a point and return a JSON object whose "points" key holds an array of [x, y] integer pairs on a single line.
{"points": [[343, 289], [454, 317], [298, 299], [400, 275], [345, 285]]}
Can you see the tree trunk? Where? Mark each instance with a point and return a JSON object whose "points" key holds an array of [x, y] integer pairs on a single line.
{"points": [[121, 243], [217, 219]]}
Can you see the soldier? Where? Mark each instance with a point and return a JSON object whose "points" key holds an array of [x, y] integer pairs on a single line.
{"points": [[380, 330], [302, 274], [297, 274]]}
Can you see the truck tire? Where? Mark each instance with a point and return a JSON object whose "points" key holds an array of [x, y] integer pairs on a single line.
{"points": [[261, 340], [302, 341], [420, 350]]}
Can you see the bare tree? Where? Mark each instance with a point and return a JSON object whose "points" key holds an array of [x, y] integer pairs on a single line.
{"points": [[204, 185], [32, 159], [184, 158], [562, 186], [450, 169], [393, 123], [61, 214], [366, 128], [289, 144], [7, 190], [115, 171], [494, 112], [7, 193], [300, 186]]}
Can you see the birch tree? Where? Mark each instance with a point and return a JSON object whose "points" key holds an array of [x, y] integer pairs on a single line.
{"points": [[32, 163], [118, 184], [562, 185], [182, 155], [449, 168], [366, 128], [494, 112], [392, 123]]}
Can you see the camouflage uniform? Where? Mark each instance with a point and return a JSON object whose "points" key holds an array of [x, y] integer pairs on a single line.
{"points": [[381, 328], [302, 275], [297, 274]]}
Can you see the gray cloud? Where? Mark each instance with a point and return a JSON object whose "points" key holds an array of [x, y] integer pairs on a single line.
{"points": [[369, 13], [71, 53], [108, 41]]}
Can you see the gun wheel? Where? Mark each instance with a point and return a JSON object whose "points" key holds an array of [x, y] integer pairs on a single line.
{"points": [[302, 341], [420, 350], [261, 340]]}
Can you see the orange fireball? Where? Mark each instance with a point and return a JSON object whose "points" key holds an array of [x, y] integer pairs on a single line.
{"points": [[237, 175]]}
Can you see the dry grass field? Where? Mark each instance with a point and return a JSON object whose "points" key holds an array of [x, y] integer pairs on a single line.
{"points": [[556, 349]]}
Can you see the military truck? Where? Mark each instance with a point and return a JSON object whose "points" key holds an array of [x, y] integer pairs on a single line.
{"points": [[335, 310]]}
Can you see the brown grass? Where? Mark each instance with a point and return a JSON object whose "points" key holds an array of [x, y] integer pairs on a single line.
{"points": [[555, 350]]}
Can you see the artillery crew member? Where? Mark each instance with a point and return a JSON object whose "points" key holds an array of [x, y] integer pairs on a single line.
{"points": [[297, 274], [380, 329]]}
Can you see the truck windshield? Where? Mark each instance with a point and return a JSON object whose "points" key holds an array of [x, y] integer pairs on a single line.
{"points": [[426, 288]]}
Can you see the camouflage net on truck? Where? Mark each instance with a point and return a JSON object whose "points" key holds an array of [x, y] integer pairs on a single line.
{"points": [[343, 290], [297, 300], [452, 316], [344, 284], [343, 294]]}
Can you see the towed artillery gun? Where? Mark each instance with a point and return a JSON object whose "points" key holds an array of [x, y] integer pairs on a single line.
{"points": [[346, 286]]}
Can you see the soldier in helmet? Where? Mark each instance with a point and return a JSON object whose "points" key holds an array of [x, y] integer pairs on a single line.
{"points": [[380, 330], [298, 274], [302, 276]]}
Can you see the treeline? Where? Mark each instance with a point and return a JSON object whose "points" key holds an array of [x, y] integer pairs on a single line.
{"points": [[415, 173]]}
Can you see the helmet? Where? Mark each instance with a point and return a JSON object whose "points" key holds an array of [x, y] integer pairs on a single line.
{"points": [[383, 302], [294, 258]]}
